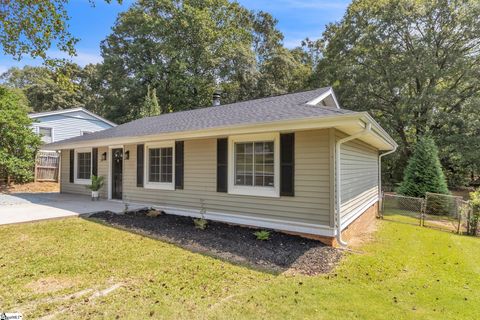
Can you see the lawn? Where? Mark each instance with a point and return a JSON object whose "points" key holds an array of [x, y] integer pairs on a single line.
{"points": [[74, 268]]}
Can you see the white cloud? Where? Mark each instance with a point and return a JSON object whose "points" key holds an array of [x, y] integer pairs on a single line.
{"points": [[82, 58]]}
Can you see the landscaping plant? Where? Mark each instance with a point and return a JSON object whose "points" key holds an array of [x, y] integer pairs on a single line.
{"points": [[424, 171], [263, 235], [95, 185], [474, 218], [200, 223]]}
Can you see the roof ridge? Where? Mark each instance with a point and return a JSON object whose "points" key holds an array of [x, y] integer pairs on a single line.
{"points": [[232, 103]]}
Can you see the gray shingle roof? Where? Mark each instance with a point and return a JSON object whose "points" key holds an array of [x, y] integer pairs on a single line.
{"points": [[271, 109]]}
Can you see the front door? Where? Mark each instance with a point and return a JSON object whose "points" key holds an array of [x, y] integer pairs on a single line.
{"points": [[117, 172]]}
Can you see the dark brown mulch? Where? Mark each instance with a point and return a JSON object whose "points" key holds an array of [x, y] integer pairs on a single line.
{"points": [[282, 252]]}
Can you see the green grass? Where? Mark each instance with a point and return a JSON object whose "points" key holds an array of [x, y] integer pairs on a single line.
{"points": [[408, 272]]}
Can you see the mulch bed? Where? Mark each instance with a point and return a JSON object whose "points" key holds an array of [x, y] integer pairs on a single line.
{"points": [[281, 253]]}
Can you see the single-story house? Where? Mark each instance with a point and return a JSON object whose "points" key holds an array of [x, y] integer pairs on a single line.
{"points": [[296, 162], [59, 125]]}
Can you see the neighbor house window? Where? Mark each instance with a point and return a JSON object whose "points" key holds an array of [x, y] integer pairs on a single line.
{"points": [[254, 165], [46, 134], [83, 166], [159, 166]]}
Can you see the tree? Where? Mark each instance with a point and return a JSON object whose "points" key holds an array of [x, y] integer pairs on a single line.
{"points": [[150, 106], [18, 143], [424, 171], [412, 64], [188, 49], [30, 28], [46, 89]]}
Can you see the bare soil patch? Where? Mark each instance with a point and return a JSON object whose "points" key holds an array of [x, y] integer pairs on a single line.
{"points": [[32, 187], [51, 284], [281, 253]]}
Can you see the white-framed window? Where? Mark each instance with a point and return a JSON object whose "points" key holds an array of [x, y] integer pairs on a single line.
{"points": [[46, 134], [254, 165], [160, 165], [83, 166]]}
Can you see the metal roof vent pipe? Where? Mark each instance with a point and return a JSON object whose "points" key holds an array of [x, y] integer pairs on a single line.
{"points": [[216, 98]]}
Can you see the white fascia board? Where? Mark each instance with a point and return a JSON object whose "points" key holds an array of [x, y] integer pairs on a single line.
{"points": [[321, 97]]}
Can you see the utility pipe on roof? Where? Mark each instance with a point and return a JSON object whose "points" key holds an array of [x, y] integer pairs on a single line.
{"points": [[365, 131]]}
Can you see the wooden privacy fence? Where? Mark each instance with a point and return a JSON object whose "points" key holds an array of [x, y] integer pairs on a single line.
{"points": [[47, 165]]}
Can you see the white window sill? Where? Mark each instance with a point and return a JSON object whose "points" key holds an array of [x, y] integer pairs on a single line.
{"points": [[255, 191], [159, 186], [82, 181]]}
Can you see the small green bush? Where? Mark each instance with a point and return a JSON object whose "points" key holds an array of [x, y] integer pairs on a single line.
{"points": [[200, 223], [474, 218], [262, 235]]}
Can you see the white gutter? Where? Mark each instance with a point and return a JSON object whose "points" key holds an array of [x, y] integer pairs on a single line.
{"points": [[338, 187], [380, 198]]}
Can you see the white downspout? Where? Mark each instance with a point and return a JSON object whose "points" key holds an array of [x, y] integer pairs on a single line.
{"points": [[338, 187], [380, 198]]}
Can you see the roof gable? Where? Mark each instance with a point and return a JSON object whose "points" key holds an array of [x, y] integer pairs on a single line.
{"points": [[74, 112]]}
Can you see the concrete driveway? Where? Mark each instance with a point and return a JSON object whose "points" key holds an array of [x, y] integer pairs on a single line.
{"points": [[23, 207]]}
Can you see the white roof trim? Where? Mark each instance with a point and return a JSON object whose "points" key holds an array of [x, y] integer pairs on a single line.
{"points": [[50, 113], [330, 92]]}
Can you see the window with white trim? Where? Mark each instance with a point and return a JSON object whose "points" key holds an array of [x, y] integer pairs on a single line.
{"points": [[254, 165], [159, 166], [46, 134], [83, 165]]}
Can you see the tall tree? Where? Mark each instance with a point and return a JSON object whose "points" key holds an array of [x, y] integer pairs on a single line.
{"points": [[18, 143], [410, 63]]}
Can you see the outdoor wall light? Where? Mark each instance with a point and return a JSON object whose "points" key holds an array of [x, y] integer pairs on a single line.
{"points": [[127, 154], [104, 156]]}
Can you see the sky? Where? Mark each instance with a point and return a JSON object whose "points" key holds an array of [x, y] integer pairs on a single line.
{"points": [[297, 19]]}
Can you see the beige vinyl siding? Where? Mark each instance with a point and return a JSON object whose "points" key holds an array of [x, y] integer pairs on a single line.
{"points": [[311, 203], [359, 176], [67, 187]]}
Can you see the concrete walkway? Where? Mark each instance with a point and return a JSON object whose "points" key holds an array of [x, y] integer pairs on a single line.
{"points": [[23, 207]]}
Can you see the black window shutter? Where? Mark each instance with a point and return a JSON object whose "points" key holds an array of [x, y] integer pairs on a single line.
{"points": [[287, 164], [95, 161], [140, 151], [179, 164], [222, 165], [72, 161]]}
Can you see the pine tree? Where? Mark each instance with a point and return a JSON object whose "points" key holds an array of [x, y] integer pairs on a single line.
{"points": [[424, 171]]}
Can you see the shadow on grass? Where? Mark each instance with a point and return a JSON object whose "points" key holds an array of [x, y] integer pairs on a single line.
{"points": [[234, 244]]}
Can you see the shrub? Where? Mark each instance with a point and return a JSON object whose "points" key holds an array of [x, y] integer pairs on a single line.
{"points": [[424, 171], [474, 218], [200, 223], [262, 235]]}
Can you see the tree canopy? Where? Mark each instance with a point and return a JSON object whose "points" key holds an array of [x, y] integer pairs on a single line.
{"points": [[412, 64], [18, 143]]}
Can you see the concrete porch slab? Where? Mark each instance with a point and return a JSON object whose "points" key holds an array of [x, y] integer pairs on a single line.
{"points": [[24, 207]]}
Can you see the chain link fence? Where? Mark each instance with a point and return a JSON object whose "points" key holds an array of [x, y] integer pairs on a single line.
{"points": [[439, 211], [402, 208]]}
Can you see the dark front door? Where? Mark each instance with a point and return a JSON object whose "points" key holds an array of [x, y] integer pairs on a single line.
{"points": [[117, 172]]}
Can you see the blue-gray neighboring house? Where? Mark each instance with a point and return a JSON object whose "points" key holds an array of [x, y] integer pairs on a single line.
{"points": [[59, 125]]}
